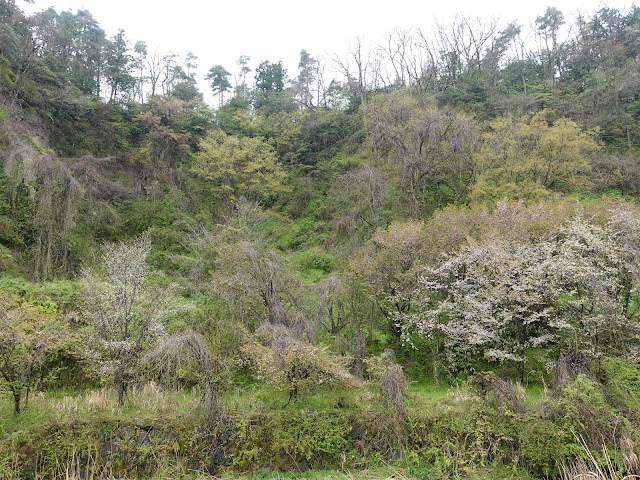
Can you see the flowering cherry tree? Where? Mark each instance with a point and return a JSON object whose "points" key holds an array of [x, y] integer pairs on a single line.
{"points": [[594, 268], [125, 310]]}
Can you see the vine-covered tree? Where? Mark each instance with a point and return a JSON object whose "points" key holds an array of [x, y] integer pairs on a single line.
{"points": [[430, 149]]}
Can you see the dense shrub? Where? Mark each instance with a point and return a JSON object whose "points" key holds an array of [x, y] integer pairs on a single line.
{"points": [[292, 440]]}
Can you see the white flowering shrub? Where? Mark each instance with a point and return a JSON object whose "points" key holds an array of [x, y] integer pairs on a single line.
{"points": [[500, 298]]}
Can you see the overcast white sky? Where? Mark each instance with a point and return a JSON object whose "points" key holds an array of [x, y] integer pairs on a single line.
{"points": [[219, 32]]}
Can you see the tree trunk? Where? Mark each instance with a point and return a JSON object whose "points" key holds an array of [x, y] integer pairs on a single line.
{"points": [[122, 392], [16, 402], [211, 398], [436, 369], [521, 372]]}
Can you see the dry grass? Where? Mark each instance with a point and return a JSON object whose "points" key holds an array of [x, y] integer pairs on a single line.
{"points": [[78, 465], [590, 469], [145, 400], [149, 398], [459, 394]]}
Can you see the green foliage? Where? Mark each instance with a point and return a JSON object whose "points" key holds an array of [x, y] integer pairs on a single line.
{"points": [[283, 131], [219, 79], [582, 408], [544, 446], [622, 380], [8, 263], [8, 225], [287, 440], [314, 264], [47, 297], [7, 77], [325, 132], [164, 213], [239, 167], [102, 444], [27, 338], [532, 156], [303, 232], [234, 117]]}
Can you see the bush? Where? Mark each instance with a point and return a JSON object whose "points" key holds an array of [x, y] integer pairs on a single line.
{"points": [[581, 409], [622, 380], [543, 445], [292, 441], [294, 365]]}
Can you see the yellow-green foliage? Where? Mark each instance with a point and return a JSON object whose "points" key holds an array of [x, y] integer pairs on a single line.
{"points": [[28, 336], [283, 130], [533, 156], [240, 166], [294, 365]]}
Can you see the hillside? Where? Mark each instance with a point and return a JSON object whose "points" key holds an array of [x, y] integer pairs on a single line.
{"points": [[428, 268]]}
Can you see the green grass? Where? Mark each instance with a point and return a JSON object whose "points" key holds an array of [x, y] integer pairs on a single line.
{"points": [[147, 401], [151, 401], [535, 395], [402, 471], [382, 473], [261, 397], [426, 392]]}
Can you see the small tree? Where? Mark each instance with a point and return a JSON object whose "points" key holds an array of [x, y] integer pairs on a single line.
{"points": [[125, 310], [27, 338], [293, 365]]}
